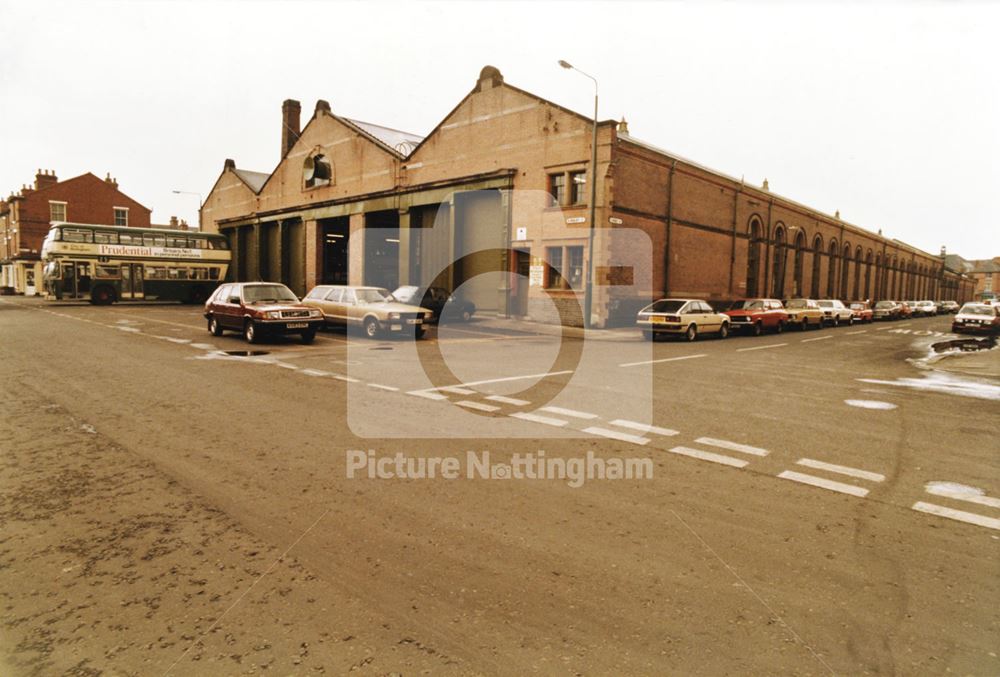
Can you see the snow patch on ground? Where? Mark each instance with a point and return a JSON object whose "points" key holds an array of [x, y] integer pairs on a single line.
{"points": [[870, 404]]}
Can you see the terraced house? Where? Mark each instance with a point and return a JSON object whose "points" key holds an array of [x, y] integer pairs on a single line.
{"points": [[495, 198]]}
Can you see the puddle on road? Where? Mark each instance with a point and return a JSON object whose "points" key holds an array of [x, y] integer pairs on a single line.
{"points": [[382, 348], [965, 345], [246, 353], [939, 382]]}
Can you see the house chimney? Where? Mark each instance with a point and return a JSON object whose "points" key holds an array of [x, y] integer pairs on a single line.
{"points": [[110, 181], [44, 179], [322, 106], [623, 127], [290, 131], [173, 221], [229, 164]]}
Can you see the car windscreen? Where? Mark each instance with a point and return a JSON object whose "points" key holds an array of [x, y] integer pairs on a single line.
{"points": [[825, 304], [977, 309], [746, 305], [405, 294], [858, 306], [665, 306], [373, 295], [797, 303], [259, 293], [884, 304]]}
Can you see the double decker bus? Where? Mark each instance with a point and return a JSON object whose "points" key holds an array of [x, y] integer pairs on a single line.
{"points": [[104, 264]]}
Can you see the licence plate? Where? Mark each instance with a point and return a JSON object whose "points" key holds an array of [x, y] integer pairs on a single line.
{"points": [[414, 321], [296, 325], [656, 319]]}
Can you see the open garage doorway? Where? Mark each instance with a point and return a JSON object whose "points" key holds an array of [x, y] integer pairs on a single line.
{"points": [[336, 236], [382, 249]]}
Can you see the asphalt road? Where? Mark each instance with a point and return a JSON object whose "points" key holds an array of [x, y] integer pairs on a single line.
{"points": [[791, 525]]}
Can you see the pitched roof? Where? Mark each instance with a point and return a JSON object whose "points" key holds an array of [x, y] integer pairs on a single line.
{"points": [[254, 180], [400, 142]]}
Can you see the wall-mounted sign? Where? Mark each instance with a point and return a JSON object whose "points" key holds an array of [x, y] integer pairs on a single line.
{"points": [[615, 220], [521, 233], [576, 219], [536, 276]]}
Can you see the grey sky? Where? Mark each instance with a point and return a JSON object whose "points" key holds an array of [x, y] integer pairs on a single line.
{"points": [[887, 112]]}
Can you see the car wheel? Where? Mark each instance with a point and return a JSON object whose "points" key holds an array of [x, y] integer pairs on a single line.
{"points": [[850, 322], [836, 320], [466, 315], [692, 333], [758, 329], [803, 324], [780, 327], [371, 327], [724, 330], [419, 332], [214, 328], [309, 336], [648, 335], [250, 332]]}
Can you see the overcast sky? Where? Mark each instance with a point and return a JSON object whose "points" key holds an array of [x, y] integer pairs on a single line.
{"points": [[888, 112]]}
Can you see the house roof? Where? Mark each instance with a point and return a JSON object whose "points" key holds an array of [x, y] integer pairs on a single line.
{"points": [[402, 143], [254, 180]]}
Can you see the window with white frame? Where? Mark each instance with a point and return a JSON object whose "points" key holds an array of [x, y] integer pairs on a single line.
{"points": [[121, 216], [57, 211]]}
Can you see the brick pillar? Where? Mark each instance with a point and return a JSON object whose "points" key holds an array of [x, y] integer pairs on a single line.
{"points": [[314, 253], [404, 248], [356, 250]]}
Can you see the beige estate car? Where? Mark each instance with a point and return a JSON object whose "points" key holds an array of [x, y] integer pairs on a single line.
{"points": [[372, 308], [804, 313], [687, 317]]}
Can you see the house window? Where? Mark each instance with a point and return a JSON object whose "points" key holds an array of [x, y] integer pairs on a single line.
{"points": [[554, 278], [557, 188], [574, 269], [121, 216], [577, 187], [317, 171], [57, 211]]}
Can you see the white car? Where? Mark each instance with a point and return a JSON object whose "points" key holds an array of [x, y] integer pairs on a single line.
{"points": [[835, 312], [977, 317], [927, 308], [687, 317]]}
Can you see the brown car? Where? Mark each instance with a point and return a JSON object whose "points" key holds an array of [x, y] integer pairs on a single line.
{"points": [[373, 309], [804, 313], [260, 309]]}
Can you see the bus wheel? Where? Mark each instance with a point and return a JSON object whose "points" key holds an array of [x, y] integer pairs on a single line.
{"points": [[102, 296]]}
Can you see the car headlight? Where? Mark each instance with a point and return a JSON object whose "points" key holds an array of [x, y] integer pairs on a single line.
{"points": [[273, 314], [428, 316], [393, 316], [643, 316], [314, 313]]}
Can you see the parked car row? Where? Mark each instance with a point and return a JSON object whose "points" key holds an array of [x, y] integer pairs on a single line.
{"points": [[261, 309], [693, 317]]}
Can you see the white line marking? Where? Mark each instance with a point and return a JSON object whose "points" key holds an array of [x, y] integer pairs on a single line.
{"points": [[382, 387], [852, 333], [539, 419], [510, 378], [178, 340], [709, 456], [842, 469], [823, 483], [818, 338], [477, 406], [962, 496], [457, 390], [287, 366], [615, 435], [315, 372], [772, 345], [960, 515], [508, 400], [347, 379], [644, 427], [569, 412], [733, 446], [666, 359], [426, 394]]}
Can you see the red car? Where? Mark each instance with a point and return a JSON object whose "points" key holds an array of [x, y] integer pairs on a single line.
{"points": [[260, 309], [862, 311], [757, 315]]}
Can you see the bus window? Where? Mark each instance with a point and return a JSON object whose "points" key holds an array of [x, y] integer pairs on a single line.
{"points": [[129, 238], [105, 238], [77, 235], [218, 244], [199, 273], [156, 273], [178, 242], [107, 272], [52, 270], [213, 273], [154, 240], [198, 243]]}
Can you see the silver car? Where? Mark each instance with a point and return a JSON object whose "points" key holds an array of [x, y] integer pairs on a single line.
{"points": [[835, 312]]}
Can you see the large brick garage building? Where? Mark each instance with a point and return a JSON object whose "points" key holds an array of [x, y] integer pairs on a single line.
{"points": [[502, 180]]}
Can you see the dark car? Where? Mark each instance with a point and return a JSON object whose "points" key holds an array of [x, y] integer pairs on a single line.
{"points": [[439, 300], [260, 309], [886, 310], [757, 315]]}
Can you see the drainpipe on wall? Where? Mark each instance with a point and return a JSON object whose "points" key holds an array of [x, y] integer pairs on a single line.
{"points": [[670, 220], [732, 249], [766, 287]]}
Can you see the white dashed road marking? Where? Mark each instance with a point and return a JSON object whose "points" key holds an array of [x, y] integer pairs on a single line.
{"points": [[426, 394], [643, 427], [512, 378], [967, 496], [709, 456], [842, 470], [351, 379], [508, 400], [818, 338], [824, 483], [535, 418], [852, 333], [960, 515], [457, 390], [315, 372], [771, 345], [666, 359], [478, 406], [573, 413], [732, 446], [615, 435], [382, 387]]}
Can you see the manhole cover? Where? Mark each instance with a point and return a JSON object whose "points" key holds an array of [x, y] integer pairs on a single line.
{"points": [[965, 345], [381, 348], [246, 353]]}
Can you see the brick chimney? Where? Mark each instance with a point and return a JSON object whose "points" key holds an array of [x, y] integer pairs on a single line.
{"points": [[45, 178], [110, 181], [290, 130], [173, 222]]}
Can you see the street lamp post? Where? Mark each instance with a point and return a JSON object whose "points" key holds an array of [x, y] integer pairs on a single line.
{"points": [[188, 192], [588, 289]]}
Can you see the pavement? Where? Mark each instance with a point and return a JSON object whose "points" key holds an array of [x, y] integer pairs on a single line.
{"points": [[816, 505]]}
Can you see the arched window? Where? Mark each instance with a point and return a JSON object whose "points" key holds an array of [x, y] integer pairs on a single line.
{"points": [[868, 275], [800, 247], [780, 252], [753, 257], [845, 270], [879, 290], [895, 287], [857, 273], [831, 274], [817, 260], [317, 170]]}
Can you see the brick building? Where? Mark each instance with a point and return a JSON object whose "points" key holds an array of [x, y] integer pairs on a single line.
{"points": [[984, 273], [353, 202], [26, 216]]}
